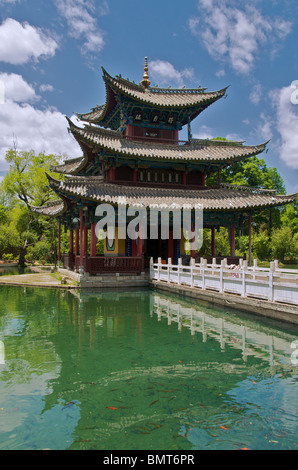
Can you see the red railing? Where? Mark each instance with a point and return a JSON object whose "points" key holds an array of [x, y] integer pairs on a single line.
{"points": [[69, 260], [111, 264]]}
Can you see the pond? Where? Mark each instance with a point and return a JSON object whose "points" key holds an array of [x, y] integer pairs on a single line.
{"points": [[142, 371]]}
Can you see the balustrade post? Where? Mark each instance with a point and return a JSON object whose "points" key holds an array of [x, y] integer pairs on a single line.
{"points": [[179, 270], [222, 266], [244, 268], [213, 265], [151, 268], [158, 268], [169, 269], [192, 266], [276, 263], [204, 273], [271, 279]]}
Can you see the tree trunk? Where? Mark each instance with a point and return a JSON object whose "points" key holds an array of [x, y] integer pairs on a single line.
{"points": [[22, 254]]}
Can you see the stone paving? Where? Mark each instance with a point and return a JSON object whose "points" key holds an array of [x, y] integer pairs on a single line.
{"points": [[37, 279]]}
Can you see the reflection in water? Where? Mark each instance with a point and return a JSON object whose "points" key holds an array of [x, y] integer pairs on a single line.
{"points": [[140, 370], [235, 332]]}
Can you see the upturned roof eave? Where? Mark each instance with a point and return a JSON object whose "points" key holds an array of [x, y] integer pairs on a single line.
{"points": [[212, 199], [99, 138], [113, 82]]}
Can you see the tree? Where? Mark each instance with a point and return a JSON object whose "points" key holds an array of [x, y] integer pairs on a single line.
{"points": [[274, 227], [284, 244], [253, 172], [289, 217], [24, 185], [26, 178]]}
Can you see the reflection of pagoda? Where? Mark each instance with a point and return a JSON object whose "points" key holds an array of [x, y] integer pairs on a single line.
{"points": [[131, 150]]}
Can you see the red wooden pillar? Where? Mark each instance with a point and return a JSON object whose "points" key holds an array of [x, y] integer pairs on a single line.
{"points": [[192, 245], [85, 248], [134, 175], [140, 244], [176, 136], [171, 246], [249, 240], [112, 174], [213, 247], [81, 237], [134, 248], [85, 240], [93, 239], [232, 239], [128, 130], [59, 243], [77, 240], [71, 242]]}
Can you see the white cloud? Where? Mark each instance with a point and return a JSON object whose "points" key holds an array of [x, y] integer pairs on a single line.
{"points": [[46, 87], [17, 89], [41, 130], [265, 127], [21, 43], [235, 34], [256, 94], [165, 73], [220, 73], [205, 132], [287, 125], [82, 24]]}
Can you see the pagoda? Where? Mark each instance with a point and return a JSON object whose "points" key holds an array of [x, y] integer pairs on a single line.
{"points": [[131, 150]]}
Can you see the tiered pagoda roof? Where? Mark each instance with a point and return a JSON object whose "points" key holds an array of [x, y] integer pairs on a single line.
{"points": [[227, 197], [85, 176], [189, 103], [223, 153]]}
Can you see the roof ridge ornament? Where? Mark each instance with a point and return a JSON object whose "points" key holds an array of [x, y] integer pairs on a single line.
{"points": [[146, 82]]}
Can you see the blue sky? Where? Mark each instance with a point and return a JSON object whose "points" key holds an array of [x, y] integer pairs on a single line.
{"points": [[51, 53]]}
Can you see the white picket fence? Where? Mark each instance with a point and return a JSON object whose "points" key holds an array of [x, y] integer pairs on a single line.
{"points": [[272, 284]]}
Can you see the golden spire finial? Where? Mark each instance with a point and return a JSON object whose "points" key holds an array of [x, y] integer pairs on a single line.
{"points": [[146, 82]]}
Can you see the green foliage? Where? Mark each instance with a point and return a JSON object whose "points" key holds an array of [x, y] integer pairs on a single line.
{"points": [[26, 178], [252, 172], [222, 243], [284, 244], [289, 217], [26, 184], [41, 250], [261, 245]]}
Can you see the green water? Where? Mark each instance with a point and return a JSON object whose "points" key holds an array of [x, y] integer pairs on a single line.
{"points": [[141, 371]]}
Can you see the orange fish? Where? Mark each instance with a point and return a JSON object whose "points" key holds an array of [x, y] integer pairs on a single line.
{"points": [[111, 408], [223, 427]]}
